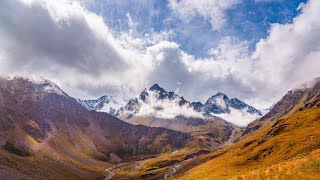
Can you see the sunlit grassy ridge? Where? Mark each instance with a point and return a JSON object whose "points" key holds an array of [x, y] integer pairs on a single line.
{"points": [[285, 148]]}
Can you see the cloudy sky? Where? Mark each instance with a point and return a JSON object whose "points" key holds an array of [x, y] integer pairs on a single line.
{"points": [[255, 50]]}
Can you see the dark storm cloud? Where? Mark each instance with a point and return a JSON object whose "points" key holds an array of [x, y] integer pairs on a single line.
{"points": [[36, 40]]}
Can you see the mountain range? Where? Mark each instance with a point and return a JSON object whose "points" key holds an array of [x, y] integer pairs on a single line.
{"points": [[47, 134], [157, 102]]}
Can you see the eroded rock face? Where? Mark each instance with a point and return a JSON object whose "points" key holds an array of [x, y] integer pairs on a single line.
{"points": [[32, 115], [114, 158]]}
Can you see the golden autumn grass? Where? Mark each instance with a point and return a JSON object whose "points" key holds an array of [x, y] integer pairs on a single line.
{"points": [[287, 148]]}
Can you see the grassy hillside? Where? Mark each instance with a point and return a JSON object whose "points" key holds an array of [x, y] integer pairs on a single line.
{"points": [[286, 146]]}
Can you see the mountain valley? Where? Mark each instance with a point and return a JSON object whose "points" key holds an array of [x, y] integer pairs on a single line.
{"points": [[41, 124], [159, 90]]}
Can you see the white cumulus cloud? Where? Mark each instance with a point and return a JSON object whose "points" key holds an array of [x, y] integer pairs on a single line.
{"points": [[211, 10]]}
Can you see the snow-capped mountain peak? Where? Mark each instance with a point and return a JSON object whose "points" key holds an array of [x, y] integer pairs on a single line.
{"points": [[156, 87], [217, 104], [158, 102], [162, 93], [109, 104], [220, 103]]}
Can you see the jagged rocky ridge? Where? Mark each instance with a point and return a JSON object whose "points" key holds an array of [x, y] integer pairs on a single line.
{"points": [[216, 105], [156, 107]]}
